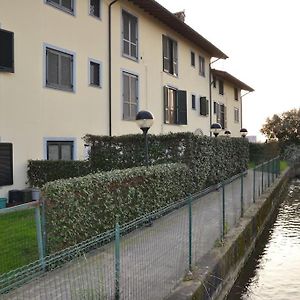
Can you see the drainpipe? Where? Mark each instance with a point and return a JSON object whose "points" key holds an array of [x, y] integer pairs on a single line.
{"points": [[109, 66], [210, 97], [242, 107]]}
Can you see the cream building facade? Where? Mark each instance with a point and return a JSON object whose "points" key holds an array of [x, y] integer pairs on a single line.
{"points": [[72, 67]]}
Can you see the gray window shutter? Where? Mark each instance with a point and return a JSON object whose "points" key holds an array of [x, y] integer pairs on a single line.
{"points": [[126, 96], [181, 107], [166, 54], [166, 106], [66, 71], [6, 164], [126, 43], [133, 36], [175, 58], [203, 108], [52, 77]]}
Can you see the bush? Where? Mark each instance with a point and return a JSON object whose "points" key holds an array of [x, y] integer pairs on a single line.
{"points": [[292, 154], [260, 152], [41, 171], [210, 160], [79, 208]]}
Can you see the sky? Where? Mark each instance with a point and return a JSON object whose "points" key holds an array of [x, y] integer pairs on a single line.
{"points": [[262, 40]]}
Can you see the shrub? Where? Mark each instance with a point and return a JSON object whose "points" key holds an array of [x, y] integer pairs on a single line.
{"points": [[210, 160], [79, 208], [292, 154], [260, 152], [41, 171]]}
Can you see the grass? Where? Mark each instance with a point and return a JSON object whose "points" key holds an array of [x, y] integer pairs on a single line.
{"points": [[283, 165], [18, 242]]}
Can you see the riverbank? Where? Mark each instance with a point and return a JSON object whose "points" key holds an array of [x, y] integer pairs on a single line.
{"points": [[217, 271]]}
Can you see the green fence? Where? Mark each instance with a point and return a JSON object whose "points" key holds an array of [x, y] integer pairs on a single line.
{"points": [[147, 258]]}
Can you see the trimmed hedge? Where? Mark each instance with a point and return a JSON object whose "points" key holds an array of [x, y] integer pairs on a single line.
{"points": [[260, 152], [79, 208], [40, 172], [211, 160]]}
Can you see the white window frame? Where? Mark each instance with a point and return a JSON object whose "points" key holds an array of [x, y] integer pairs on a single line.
{"points": [[100, 10], [62, 8], [91, 60], [134, 58], [60, 139], [236, 112], [48, 46], [135, 75]]}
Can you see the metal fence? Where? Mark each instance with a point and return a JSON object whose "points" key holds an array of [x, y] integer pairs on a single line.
{"points": [[144, 259]]}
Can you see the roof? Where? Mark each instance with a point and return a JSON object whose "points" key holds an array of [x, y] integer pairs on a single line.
{"points": [[165, 16], [230, 78]]}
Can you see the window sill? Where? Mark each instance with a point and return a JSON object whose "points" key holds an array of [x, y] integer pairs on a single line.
{"points": [[173, 75], [130, 57], [95, 86], [59, 88]]}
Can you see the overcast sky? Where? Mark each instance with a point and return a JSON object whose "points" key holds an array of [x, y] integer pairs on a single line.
{"points": [[262, 40]]}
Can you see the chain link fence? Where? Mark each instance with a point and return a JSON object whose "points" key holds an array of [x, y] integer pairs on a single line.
{"points": [[144, 259]]}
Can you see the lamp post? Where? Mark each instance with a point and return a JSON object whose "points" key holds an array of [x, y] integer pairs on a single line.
{"points": [[227, 133], [243, 132], [144, 120], [215, 128]]}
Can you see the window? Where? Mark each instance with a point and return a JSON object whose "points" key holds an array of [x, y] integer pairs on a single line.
{"points": [[175, 109], [59, 70], [6, 164], [130, 40], [214, 82], [202, 66], [130, 96], [170, 56], [95, 74], [6, 51], [60, 150], [95, 8], [192, 58], [236, 115], [204, 110], [193, 102], [66, 5], [216, 107], [221, 114], [221, 87], [236, 94]]}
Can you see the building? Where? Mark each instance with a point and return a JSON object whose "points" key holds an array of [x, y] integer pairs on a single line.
{"points": [[68, 68]]}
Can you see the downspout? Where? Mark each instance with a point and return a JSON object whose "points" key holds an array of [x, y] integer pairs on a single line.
{"points": [[242, 107], [210, 96], [109, 66]]}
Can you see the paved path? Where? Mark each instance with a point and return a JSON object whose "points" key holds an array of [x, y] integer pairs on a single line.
{"points": [[153, 259]]}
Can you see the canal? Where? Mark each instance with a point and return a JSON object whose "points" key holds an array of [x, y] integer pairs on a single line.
{"points": [[273, 269]]}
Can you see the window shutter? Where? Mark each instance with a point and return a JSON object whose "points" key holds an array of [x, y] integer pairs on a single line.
{"points": [[215, 107], [52, 68], [207, 107], [6, 164], [166, 58], [203, 109], [6, 51], [166, 110], [225, 117], [175, 58], [181, 108]]}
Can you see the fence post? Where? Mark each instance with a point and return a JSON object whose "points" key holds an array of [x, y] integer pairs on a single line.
{"points": [[190, 233], [242, 195], [44, 233], [254, 185], [269, 173], [117, 260], [262, 178], [223, 211], [37, 215]]}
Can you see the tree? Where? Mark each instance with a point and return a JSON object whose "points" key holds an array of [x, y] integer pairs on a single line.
{"points": [[285, 127]]}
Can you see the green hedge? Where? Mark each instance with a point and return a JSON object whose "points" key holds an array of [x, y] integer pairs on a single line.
{"points": [[260, 152], [79, 208], [211, 160], [41, 171]]}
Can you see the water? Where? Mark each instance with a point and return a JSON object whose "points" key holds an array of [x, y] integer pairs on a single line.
{"points": [[273, 270]]}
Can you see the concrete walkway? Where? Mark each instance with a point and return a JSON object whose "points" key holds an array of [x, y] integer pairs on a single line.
{"points": [[153, 259]]}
